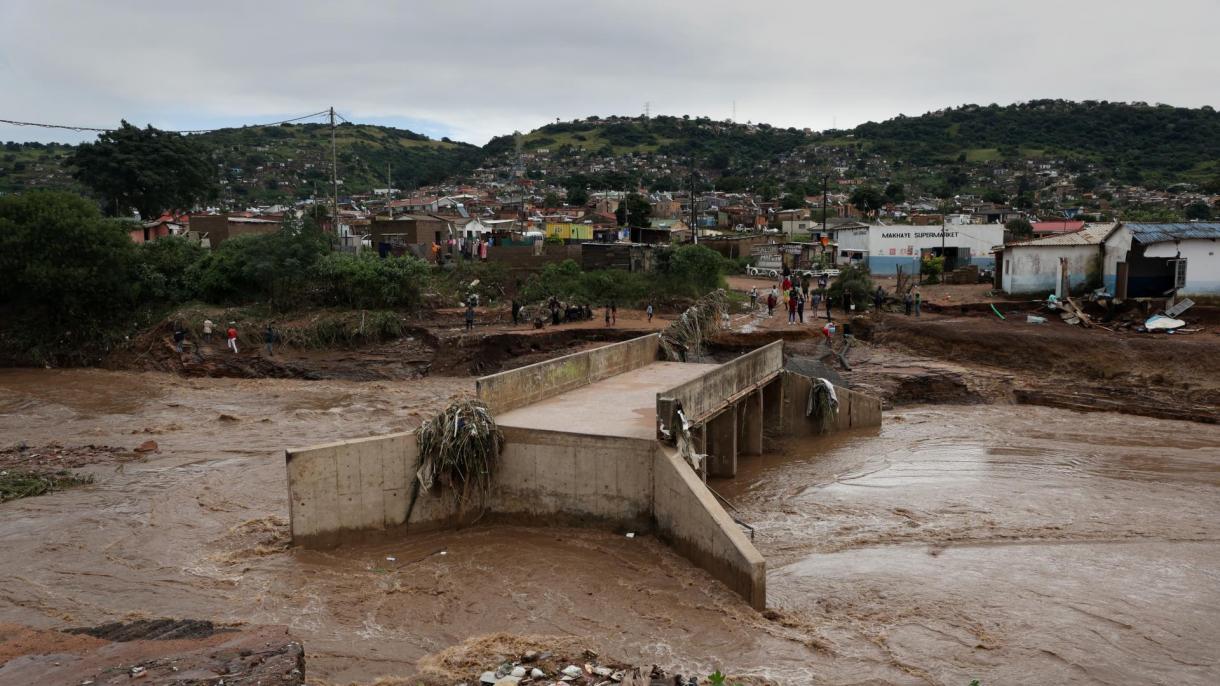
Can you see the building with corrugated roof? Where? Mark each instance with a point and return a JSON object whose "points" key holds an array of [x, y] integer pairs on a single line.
{"points": [[1135, 260], [1156, 260], [1052, 264]]}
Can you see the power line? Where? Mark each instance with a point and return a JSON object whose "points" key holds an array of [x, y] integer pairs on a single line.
{"points": [[104, 130]]}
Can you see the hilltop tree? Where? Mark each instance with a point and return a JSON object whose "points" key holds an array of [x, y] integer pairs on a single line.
{"points": [[635, 211], [550, 200], [577, 195], [145, 170], [867, 199], [1198, 210], [1020, 228], [791, 201], [994, 195], [895, 193]]}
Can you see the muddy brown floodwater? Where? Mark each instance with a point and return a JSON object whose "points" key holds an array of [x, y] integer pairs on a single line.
{"points": [[1007, 544]]}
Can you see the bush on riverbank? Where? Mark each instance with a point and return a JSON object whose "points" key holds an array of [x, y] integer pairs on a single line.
{"points": [[683, 274], [75, 286]]}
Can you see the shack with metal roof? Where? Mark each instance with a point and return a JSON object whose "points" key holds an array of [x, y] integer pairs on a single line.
{"points": [[1163, 260]]}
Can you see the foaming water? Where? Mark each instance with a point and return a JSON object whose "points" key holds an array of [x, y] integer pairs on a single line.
{"points": [[1012, 545]]}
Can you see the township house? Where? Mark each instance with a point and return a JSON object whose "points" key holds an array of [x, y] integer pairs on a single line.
{"points": [[1133, 260]]}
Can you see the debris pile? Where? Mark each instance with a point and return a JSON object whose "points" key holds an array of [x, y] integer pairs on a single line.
{"points": [[685, 338], [567, 668], [27, 472], [458, 450]]}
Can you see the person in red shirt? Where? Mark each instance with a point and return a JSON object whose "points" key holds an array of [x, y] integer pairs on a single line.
{"points": [[232, 336]]}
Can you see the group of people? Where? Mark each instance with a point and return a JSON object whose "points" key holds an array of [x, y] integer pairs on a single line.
{"points": [[796, 293], [180, 334], [469, 249]]}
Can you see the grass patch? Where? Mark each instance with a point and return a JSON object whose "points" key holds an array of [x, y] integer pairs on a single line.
{"points": [[15, 484], [982, 154]]}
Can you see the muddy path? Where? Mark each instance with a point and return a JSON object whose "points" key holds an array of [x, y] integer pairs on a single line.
{"points": [[977, 358], [958, 542]]}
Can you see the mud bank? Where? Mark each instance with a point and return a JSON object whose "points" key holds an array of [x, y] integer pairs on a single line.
{"points": [[419, 352], [1011, 545]]}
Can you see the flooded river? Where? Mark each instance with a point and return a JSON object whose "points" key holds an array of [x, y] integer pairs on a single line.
{"points": [[1011, 545]]}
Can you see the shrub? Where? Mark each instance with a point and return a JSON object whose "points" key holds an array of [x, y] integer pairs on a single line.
{"points": [[932, 268], [692, 270], [163, 266], [366, 281], [857, 282], [71, 282], [277, 267]]}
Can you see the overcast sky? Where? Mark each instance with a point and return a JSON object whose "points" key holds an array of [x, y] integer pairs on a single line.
{"points": [[472, 70]]}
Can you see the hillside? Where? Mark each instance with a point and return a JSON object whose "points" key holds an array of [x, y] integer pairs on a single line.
{"points": [[1133, 141], [266, 164], [969, 147]]}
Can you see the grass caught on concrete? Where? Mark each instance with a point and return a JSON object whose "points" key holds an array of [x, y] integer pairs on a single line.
{"points": [[687, 335], [15, 484], [459, 449]]}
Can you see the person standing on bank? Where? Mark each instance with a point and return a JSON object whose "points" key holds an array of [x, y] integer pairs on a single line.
{"points": [[648, 311], [269, 337], [469, 316], [231, 334], [918, 301], [907, 301], [207, 331]]}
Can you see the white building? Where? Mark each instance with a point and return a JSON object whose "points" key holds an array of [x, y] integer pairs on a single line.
{"points": [[1039, 265], [1151, 260], [1134, 260], [886, 248]]}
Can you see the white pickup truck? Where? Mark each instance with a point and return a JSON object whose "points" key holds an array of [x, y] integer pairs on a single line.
{"points": [[774, 271]]}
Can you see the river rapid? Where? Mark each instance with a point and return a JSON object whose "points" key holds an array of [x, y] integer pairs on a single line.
{"points": [[1007, 544]]}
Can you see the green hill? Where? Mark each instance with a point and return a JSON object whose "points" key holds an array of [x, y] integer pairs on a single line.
{"points": [[263, 164], [1133, 141]]}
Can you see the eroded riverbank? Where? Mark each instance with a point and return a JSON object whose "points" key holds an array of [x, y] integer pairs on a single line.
{"points": [[1008, 544]]}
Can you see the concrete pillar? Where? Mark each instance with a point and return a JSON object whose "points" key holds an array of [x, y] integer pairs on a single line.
{"points": [[722, 444], [698, 437], [750, 414], [773, 405]]}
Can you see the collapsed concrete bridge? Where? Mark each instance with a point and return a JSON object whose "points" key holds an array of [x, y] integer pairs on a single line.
{"points": [[607, 437]]}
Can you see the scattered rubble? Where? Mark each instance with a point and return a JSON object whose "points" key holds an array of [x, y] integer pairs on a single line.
{"points": [[505, 659], [27, 471], [160, 652]]}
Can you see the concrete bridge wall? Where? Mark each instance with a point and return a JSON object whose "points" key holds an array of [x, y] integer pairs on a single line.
{"points": [[721, 387], [693, 523], [359, 485], [520, 387], [855, 409]]}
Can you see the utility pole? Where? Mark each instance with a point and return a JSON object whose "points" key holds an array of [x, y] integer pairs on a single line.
{"points": [[825, 195], [334, 176], [694, 214]]}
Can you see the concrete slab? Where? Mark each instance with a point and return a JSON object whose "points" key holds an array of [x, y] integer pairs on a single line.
{"points": [[624, 405]]}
